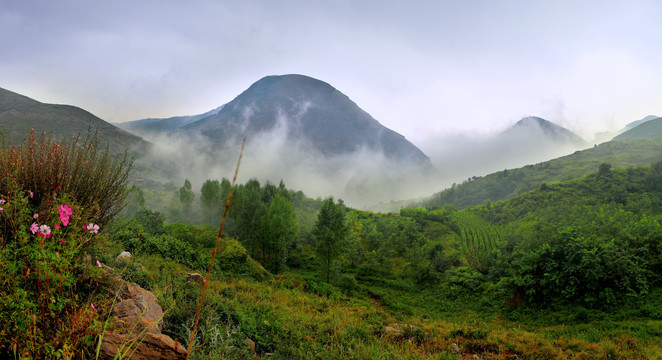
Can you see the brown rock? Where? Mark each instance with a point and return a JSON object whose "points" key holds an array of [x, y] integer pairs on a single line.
{"points": [[140, 306], [145, 347], [195, 277], [136, 328]]}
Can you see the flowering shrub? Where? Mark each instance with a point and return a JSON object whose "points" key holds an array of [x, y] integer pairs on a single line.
{"points": [[47, 281]]}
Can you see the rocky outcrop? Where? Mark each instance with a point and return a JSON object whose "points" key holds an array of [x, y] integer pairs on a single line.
{"points": [[136, 324]]}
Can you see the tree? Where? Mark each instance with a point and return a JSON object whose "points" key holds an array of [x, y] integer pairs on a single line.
{"points": [[281, 230], [186, 197], [210, 197], [330, 232]]}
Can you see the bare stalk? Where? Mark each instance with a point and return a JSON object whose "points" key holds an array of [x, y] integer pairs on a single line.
{"points": [[213, 254]]}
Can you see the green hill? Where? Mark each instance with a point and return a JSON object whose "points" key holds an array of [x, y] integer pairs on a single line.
{"points": [[19, 114], [651, 129], [509, 183]]}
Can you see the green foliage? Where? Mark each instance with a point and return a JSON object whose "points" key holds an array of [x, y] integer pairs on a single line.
{"points": [[46, 284], [92, 178], [186, 196], [510, 183], [330, 233], [281, 230]]}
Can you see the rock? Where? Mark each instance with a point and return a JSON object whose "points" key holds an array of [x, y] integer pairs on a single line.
{"points": [[123, 258], [138, 306], [152, 347], [398, 329], [137, 321], [251, 345], [195, 277]]}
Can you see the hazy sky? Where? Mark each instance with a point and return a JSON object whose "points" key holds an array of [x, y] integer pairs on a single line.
{"points": [[422, 68]]}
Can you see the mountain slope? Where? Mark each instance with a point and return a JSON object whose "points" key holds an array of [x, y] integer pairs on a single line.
{"points": [[651, 129], [509, 183], [19, 114], [311, 112], [153, 126]]}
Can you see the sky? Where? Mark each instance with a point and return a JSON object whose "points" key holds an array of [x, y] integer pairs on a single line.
{"points": [[426, 69]]}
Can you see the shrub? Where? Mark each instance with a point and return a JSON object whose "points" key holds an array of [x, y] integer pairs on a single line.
{"points": [[93, 179], [46, 287]]}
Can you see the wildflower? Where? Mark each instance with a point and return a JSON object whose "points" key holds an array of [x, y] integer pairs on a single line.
{"points": [[92, 306], [94, 228], [2, 201], [44, 231], [34, 228], [57, 226], [98, 263], [31, 194], [35, 216], [65, 212]]}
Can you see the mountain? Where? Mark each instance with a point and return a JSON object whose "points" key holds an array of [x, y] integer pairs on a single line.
{"points": [[634, 124], [310, 112], [506, 184], [536, 129], [153, 126], [611, 135], [650, 129], [19, 114]]}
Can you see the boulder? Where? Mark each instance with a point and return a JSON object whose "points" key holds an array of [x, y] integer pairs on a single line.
{"points": [[136, 323], [152, 347], [123, 258], [195, 277]]}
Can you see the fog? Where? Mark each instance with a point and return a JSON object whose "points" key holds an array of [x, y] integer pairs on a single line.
{"points": [[463, 155], [363, 178]]}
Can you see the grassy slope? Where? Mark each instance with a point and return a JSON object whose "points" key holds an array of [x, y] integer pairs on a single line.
{"points": [[648, 130], [509, 183], [19, 114]]}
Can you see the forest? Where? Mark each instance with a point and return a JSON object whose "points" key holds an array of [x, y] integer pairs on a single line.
{"points": [[569, 270]]}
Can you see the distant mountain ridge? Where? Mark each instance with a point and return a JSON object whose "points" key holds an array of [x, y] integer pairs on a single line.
{"points": [[161, 125], [649, 129], [19, 114]]}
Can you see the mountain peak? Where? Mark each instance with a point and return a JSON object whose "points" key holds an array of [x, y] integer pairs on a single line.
{"points": [[529, 125], [308, 110]]}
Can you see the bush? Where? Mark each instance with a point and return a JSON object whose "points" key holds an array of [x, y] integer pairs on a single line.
{"points": [[93, 179], [46, 286]]}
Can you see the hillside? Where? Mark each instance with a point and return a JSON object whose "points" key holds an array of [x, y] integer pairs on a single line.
{"points": [[312, 112], [155, 126], [508, 183], [19, 114], [651, 129]]}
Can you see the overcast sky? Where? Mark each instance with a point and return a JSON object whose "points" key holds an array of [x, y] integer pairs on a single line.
{"points": [[422, 68]]}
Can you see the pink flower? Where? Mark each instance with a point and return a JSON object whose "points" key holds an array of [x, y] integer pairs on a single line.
{"points": [[94, 228], [44, 231], [31, 194], [35, 216], [57, 226], [65, 212], [34, 228], [98, 263], [2, 201], [92, 306]]}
